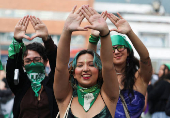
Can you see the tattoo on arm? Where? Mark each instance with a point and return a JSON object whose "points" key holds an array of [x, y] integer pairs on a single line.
{"points": [[147, 62]]}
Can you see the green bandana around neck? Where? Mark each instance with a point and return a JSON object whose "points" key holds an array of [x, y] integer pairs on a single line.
{"points": [[1, 67], [87, 96], [120, 40], [36, 74]]}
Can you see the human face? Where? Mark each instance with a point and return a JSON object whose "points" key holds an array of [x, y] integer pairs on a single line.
{"points": [[161, 70], [33, 56], [119, 57], [85, 72]]}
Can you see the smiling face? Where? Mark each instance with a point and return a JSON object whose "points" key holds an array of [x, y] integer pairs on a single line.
{"points": [[119, 57], [85, 72]]}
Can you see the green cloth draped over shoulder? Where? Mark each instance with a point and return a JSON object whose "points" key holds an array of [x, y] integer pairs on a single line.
{"points": [[15, 47], [120, 40]]}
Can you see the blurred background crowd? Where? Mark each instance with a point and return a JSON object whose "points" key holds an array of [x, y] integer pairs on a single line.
{"points": [[149, 19]]}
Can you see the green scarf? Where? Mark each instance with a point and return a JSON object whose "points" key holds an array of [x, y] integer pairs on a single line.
{"points": [[36, 74], [15, 48], [1, 67], [120, 40], [87, 96]]}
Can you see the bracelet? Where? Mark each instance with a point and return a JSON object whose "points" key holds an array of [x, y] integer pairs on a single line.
{"points": [[94, 40], [106, 34]]}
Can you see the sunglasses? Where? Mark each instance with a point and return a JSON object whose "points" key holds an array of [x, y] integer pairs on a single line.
{"points": [[120, 48]]}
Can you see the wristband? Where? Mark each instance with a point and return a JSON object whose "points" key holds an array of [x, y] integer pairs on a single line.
{"points": [[106, 34], [94, 40], [15, 48]]}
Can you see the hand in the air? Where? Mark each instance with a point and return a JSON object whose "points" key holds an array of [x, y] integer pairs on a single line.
{"points": [[74, 20], [122, 25], [20, 28], [39, 27]]}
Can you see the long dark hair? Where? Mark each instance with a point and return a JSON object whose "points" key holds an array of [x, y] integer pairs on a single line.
{"points": [[163, 75], [132, 65]]}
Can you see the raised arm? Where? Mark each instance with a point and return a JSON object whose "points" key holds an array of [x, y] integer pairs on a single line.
{"points": [[42, 32], [15, 55], [62, 87], [123, 27], [110, 89]]}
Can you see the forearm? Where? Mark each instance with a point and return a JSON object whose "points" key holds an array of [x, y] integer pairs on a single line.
{"points": [[49, 45], [13, 63], [93, 40], [106, 52], [92, 47], [145, 62], [110, 84], [139, 46], [63, 51], [61, 78]]}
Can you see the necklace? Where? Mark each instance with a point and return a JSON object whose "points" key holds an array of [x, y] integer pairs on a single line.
{"points": [[117, 72]]}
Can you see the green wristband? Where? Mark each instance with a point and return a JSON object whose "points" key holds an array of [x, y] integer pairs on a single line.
{"points": [[15, 47], [94, 40]]}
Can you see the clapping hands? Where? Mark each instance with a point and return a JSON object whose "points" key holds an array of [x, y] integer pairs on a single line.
{"points": [[21, 27]]}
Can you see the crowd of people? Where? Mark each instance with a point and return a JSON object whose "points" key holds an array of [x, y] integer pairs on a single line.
{"points": [[113, 85]]}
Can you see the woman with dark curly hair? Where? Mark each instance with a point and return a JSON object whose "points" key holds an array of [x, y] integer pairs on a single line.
{"points": [[133, 75]]}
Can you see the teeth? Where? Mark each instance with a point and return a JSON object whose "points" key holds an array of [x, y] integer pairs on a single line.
{"points": [[86, 75]]}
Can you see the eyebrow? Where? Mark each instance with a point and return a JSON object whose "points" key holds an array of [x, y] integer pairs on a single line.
{"points": [[86, 61]]}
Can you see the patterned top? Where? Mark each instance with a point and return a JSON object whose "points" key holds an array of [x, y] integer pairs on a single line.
{"points": [[134, 103]]}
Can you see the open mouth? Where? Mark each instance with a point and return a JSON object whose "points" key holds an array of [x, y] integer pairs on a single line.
{"points": [[86, 76]]}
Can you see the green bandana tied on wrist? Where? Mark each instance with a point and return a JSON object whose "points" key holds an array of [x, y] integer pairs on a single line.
{"points": [[1, 67], [87, 96], [120, 40], [36, 74], [94, 40], [15, 48]]}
